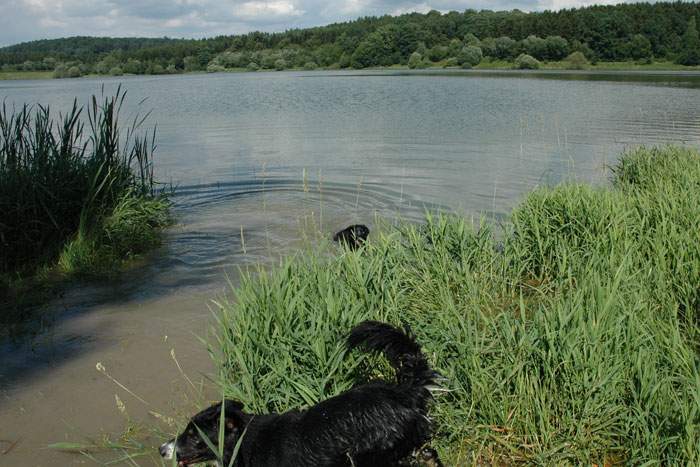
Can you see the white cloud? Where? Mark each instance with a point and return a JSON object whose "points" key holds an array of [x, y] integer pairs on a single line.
{"points": [[259, 9], [419, 8], [350, 7], [560, 4]]}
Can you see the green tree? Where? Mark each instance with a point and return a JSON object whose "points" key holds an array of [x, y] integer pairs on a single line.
{"points": [[374, 50], [407, 39], [535, 46], [506, 48], [455, 47], [345, 61], [190, 64], [639, 47], [690, 52], [471, 39], [488, 46], [556, 48]]}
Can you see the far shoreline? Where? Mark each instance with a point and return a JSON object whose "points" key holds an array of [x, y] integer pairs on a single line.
{"points": [[655, 68]]}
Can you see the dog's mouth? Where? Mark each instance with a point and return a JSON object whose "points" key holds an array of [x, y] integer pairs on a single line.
{"points": [[186, 462]]}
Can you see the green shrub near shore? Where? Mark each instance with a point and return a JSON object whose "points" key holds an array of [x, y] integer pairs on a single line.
{"points": [[573, 342], [78, 195]]}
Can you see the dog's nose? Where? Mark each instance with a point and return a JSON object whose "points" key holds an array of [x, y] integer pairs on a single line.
{"points": [[166, 449]]}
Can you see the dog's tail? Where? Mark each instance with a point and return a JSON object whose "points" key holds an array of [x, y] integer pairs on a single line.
{"points": [[400, 348]]}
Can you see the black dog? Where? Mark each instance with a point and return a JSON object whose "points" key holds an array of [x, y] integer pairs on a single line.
{"points": [[372, 425], [353, 236]]}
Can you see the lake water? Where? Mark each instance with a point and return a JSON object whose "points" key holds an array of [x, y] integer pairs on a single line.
{"points": [[265, 164]]}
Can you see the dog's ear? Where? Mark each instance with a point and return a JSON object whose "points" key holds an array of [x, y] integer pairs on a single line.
{"points": [[234, 414]]}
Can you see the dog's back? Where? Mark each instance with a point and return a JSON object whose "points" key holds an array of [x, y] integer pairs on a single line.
{"points": [[376, 424], [372, 425], [353, 236]]}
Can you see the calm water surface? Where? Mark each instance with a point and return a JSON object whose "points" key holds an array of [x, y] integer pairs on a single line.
{"points": [[264, 163]]}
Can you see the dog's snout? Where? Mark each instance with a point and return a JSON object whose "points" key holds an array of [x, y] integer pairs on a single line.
{"points": [[166, 449]]}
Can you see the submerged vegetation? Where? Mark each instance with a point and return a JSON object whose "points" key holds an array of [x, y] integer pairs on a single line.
{"points": [[639, 33], [572, 340], [75, 199]]}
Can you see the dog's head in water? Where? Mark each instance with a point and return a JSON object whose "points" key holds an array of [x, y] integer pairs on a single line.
{"points": [[189, 447]]}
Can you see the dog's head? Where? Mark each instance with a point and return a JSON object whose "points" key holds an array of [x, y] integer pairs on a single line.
{"points": [[189, 447]]}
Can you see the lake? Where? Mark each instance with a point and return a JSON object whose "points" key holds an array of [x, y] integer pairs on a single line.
{"points": [[266, 164]]}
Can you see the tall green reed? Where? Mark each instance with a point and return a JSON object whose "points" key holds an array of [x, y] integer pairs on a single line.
{"points": [[574, 343], [60, 178]]}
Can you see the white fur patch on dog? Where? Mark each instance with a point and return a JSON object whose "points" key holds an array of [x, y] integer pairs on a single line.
{"points": [[167, 450]]}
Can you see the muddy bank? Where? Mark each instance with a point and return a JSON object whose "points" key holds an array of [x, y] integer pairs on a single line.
{"points": [[54, 393]]}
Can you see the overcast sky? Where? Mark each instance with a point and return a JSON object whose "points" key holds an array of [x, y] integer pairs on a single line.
{"points": [[24, 20]]}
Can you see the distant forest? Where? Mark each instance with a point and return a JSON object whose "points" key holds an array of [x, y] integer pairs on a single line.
{"points": [[640, 32]]}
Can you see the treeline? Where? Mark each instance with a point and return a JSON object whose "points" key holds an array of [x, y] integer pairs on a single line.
{"points": [[640, 31]]}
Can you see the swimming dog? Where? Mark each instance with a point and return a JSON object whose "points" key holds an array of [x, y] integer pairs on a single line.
{"points": [[353, 236], [379, 423]]}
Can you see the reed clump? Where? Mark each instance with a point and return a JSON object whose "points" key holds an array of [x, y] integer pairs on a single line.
{"points": [[575, 342], [75, 192]]}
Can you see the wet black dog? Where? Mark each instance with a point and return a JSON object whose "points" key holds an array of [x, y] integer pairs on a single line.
{"points": [[353, 236], [375, 424]]}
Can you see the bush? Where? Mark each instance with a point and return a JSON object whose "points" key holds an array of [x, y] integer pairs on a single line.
{"points": [[252, 66], [451, 62], [116, 71], [155, 69], [310, 66], [415, 60], [438, 53], [215, 68], [577, 61], [280, 64], [74, 72], [470, 56], [526, 62], [61, 71]]}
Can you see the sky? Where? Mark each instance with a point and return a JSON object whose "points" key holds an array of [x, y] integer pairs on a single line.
{"points": [[25, 20]]}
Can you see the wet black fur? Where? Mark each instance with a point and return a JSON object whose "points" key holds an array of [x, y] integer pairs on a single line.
{"points": [[353, 236], [375, 424]]}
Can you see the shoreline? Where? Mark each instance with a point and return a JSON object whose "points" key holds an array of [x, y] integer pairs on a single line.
{"points": [[657, 68]]}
